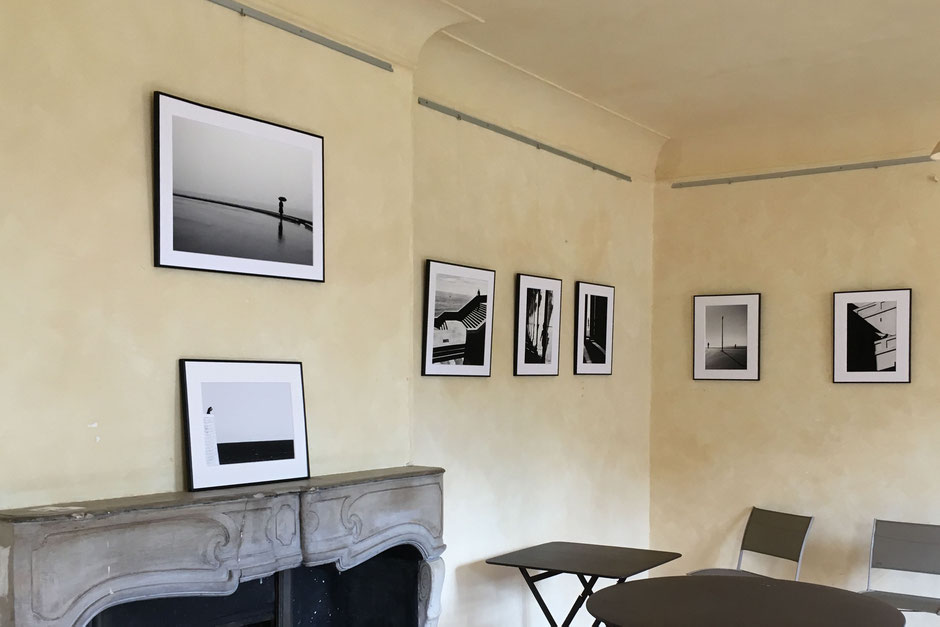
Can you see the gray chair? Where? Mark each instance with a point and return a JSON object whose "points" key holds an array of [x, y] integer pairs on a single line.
{"points": [[769, 533], [909, 547]]}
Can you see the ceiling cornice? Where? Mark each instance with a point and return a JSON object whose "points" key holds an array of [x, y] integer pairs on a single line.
{"points": [[394, 31]]}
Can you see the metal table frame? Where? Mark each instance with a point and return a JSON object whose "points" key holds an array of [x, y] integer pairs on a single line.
{"points": [[634, 561], [588, 585]]}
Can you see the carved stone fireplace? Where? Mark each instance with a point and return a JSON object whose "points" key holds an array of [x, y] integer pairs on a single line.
{"points": [[60, 566]]}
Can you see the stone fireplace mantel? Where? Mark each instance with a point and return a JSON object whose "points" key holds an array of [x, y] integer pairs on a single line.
{"points": [[62, 565]]}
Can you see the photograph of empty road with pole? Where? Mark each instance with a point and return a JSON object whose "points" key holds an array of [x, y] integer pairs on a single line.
{"points": [[236, 194], [726, 337]]}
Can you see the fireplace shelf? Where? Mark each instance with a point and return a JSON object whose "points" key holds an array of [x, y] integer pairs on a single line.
{"points": [[61, 565]]}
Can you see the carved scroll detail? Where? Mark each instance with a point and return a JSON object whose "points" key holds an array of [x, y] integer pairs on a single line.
{"points": [[114, 557]]}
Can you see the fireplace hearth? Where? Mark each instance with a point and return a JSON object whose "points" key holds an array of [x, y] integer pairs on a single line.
{"points": [[381, 592], [353, 550]]}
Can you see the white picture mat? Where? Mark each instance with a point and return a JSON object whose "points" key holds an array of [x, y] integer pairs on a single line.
{"points": [[540, 283], [434, 269], [204, 476], [840, 303], [752, 372], [585, 289], [170, 107]]}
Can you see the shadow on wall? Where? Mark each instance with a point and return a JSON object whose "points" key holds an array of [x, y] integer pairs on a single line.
{"points": [[725, 542], [179, 479], [837, 553], [482, 586]]}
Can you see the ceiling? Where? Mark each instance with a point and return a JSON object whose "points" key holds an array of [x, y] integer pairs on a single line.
{"points": [[687, 67]]}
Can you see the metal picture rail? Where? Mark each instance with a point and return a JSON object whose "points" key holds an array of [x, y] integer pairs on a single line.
{"points": [[865, 165], [293, 29], [521, 138]]}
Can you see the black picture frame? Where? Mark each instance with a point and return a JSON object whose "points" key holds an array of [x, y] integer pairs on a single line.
{"points": [[537, 329], [593, 328], [871, 336], [236, 194], [735, 362], [248, 450], [457, 324]]}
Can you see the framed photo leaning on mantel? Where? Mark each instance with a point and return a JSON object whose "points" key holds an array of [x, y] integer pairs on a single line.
{"points": [[538, 323], [244, 422], [726, 337], [593, 328], [458, 320], [235, 194], [871, 336]]}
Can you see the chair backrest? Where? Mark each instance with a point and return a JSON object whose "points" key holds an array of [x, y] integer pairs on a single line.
{"points": [[911, 547], [777, 534]]}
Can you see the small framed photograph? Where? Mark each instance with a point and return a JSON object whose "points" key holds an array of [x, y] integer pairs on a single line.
{"points": [[871, 336], [538, 321], [243, 421], [458, 320], [726, 337], [235, 194], [593, 329]]}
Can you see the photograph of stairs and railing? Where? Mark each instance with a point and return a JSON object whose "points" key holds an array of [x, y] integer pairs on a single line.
{"points": [[459, 320]]}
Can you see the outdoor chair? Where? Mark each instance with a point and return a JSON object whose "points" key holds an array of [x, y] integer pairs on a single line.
{"points": [[909, 547], [769, 533]]}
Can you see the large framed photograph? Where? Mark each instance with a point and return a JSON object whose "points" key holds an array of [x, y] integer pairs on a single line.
{"points": [[244, 422], [594, 329], [871, 336], [726, 342], [458, 320], [235, 194], [538, 322]]}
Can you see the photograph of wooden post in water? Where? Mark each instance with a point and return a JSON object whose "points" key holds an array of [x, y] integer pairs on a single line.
{"points": [[727, 331], [245, 421], [458, 320], [538, 315], [237, 194]]}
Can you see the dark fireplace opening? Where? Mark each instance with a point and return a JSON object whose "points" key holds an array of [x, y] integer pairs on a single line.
{"points": [[381, 592]]}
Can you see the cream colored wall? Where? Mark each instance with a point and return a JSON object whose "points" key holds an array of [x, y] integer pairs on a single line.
{"points": [[530, 459], [91, 331], [794, 440]]}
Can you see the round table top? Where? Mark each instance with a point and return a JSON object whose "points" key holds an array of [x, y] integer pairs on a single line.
{"points": [[709, 601]]}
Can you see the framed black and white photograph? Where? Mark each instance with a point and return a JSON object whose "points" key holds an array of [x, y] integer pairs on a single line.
{"points": [[236, 194], [726, 342], [538, 321], [244, 422], [458, 320], [871, 336], [593, 329]]}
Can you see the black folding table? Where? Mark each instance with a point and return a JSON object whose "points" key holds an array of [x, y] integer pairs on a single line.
{"points": [[589, 562]]}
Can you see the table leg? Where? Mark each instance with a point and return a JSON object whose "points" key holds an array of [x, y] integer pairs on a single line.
{"points": [[588, 591], [538, 597]]}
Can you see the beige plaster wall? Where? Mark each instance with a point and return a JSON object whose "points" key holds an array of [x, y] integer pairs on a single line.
{"points": [[529, 459], [91, 331], [794, 440]]}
